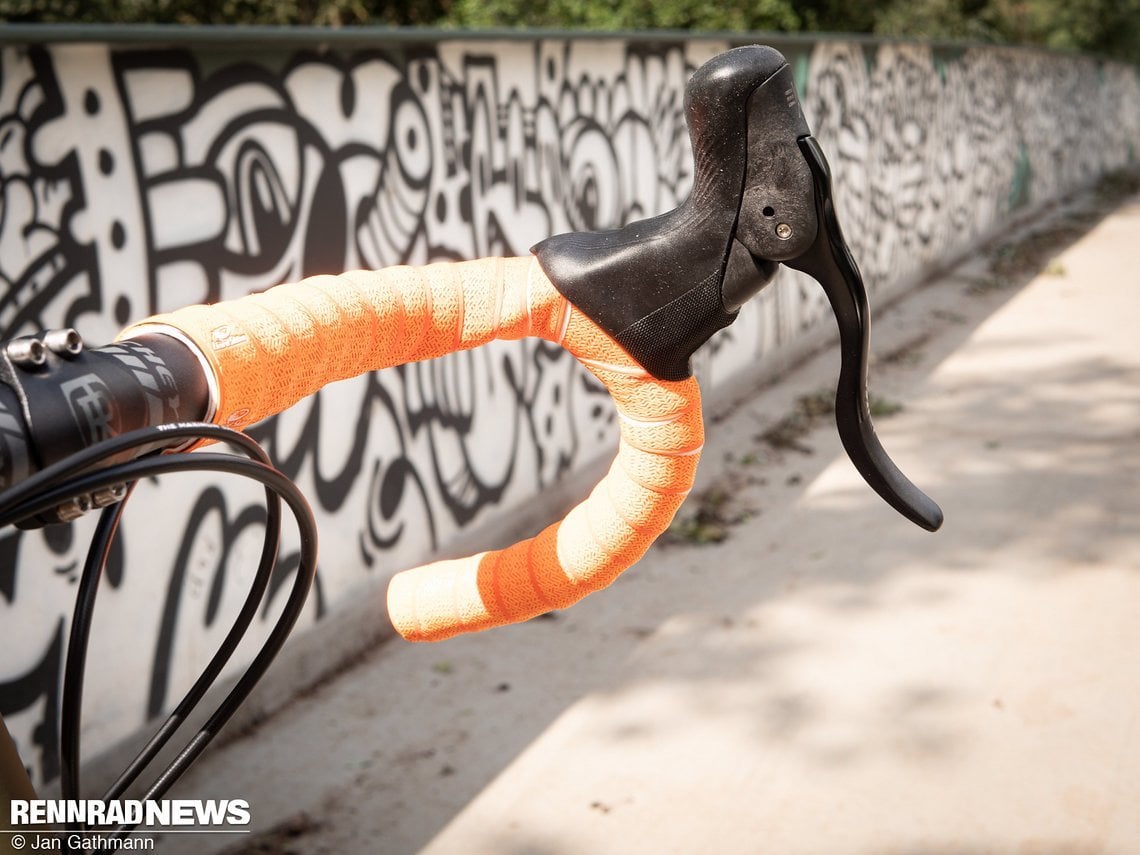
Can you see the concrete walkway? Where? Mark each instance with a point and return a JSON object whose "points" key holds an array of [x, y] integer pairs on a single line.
{"points": [[826, 679]]}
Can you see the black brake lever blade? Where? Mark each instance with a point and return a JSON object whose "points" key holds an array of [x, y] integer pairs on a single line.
{"points": [[830, 263]]}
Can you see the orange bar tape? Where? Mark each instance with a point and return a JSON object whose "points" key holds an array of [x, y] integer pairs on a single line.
{"points": [[269, 350]]}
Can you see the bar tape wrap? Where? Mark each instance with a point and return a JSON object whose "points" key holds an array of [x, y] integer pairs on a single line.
{"points": [[269, 350]]}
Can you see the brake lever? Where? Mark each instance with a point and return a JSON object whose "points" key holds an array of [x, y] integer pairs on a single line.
{"points": [[761, 197], [829, 261]]}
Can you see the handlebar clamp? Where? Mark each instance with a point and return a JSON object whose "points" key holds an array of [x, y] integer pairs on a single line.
{"points": [[58, 397]]}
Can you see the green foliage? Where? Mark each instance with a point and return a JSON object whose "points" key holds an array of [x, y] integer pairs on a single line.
{"points": [[270, 12], [1109, 27], [734, 15], [940, 19], [839, 16]]}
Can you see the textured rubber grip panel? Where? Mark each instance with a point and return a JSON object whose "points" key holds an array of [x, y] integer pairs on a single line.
{"points": [[270, 350]]}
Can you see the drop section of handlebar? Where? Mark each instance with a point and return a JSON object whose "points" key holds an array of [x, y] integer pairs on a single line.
{"points": [[269, 350]]}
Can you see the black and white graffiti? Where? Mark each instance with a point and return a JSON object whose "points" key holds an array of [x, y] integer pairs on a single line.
{"points": [[136, 181]]}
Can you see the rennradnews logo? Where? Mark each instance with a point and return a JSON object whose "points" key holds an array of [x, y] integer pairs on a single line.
{"points": [[162, 813]]}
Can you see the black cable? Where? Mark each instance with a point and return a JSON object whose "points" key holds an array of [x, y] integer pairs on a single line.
{"points": [[262, 577], [120, 447], [295, 603], [67, 479], [71, 708], [72, 698]]}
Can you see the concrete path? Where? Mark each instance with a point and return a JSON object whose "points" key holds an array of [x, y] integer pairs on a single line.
{"points": [[827, 678]]}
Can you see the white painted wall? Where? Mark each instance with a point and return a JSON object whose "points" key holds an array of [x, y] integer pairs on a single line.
{"points": [[136, 180]]}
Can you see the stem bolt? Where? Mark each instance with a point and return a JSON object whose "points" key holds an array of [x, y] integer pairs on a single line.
{"points": [[783, 231], [67, 343], [27, 352]]}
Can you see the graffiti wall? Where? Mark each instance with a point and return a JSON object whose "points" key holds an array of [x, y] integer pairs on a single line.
{"points": [[135, 180]]}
